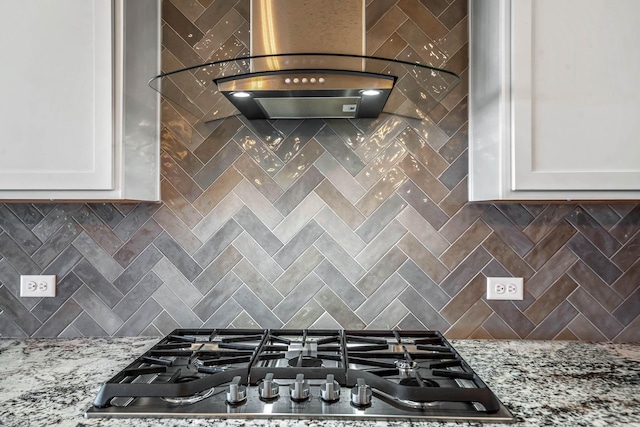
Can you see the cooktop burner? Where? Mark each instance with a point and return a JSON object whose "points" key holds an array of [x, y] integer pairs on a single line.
{"points": [[280, 373]]}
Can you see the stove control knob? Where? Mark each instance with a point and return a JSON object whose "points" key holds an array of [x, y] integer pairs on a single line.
{"points": [[268, 389], [330, 390], [361, 394], [237, 393], [299, 390]]}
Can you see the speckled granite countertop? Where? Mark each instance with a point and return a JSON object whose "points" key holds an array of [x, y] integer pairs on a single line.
{"points": [[51, 382]]}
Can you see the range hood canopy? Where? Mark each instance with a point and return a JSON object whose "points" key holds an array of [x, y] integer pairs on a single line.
{"points": [[307, 61]]}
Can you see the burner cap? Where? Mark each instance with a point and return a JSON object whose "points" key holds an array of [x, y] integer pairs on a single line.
{"points": [[306, 362], [412, 382]]}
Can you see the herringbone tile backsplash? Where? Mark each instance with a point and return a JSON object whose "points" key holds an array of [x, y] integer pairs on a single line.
{"points": [[340, 224]]}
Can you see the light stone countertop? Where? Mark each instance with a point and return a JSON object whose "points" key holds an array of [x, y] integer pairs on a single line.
{"points": [[51, 382]]}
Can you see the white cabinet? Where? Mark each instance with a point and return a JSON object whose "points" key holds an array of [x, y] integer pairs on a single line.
{"points": [[554, 100], [79, 121]]}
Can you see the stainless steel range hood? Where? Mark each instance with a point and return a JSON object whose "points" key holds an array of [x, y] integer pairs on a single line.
{"points": [[307, 60]]}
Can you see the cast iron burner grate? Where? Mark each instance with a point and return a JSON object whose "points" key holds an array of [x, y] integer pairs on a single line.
{"points": [[290, 373]]}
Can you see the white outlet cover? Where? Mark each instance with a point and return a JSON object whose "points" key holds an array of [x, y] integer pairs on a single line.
{"points": [[37, 286], [498, 288]]}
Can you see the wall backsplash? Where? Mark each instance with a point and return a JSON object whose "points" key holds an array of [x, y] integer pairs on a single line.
{"points": [[341, 224]]}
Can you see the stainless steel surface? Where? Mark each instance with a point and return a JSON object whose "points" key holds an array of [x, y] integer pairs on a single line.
{"points": [[305, 81], [361, 394], [307, 26]]}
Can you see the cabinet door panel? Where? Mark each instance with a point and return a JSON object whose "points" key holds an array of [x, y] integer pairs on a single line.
{"points": [[57, 109], [576, 95]]}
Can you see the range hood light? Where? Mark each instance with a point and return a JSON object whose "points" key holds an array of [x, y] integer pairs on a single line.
{"points": [[241, 94], [370, 92]]}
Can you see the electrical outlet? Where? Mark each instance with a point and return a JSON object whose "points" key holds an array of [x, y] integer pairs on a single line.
{"points": [[505, 288], [38, 286]]}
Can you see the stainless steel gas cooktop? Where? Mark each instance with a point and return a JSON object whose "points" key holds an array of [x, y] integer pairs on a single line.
{"points": [[319, 374]]}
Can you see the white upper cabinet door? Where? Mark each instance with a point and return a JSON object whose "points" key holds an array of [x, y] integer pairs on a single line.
{"points": [[576, 95], [554, 100], [56, 113]]}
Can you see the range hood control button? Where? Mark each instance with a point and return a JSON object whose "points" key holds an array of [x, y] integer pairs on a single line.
{"points": [[304, 80], [330, 390], [268, 389], [299, 390], [312, 80], [287, 80], [321, 80], [296, 80], [361, 394], [237, 393]]}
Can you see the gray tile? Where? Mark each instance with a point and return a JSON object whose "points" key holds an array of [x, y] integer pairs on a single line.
{"points": [[19, 232], [341, 232], [381, 191], [423, 258], [423, 151], [173, 305], [10, 278], [550, 272], [379, 133], [381, 165], [137, 270], [88, 327], [347, 132], [591, 256], [381, 244], [27, 213], [462, 220], [340, 150], [512, 316], [507, 231], [258, 257], [456, 172], [141, 292], [170, 275], [298, 164], [423, 231], [423, 205], [343, 181], [217, 270], [287, 148], [260, 286], [257, 230], [99, 231], [553, 324], [423, 285], [223, 317], [465, 271], [64, 263], [262, 156], [20, 260], [217, 165], [220, 136], [140, 320], [220, 293], [389, 317], [165, 323], [217, 243], [298, 191], [64, 289], [98, 310], [256, 308], [339, 204], [381, 271], [97, 283], [589, 308], [339, 258], [338, 310], [517, 213], [97, 256], [298, 297], [593, 231], [380, 218], [135, 219], [56, 216], [382, 298], [177, 256], [258, 203], [217, 217], [107, 213], [297, 271], [306, 316], [299, 217], [591, 283], [177, 229], [60, 320], [423, 178], [11, 308], [137, 243], [298, 244], [339, 284], [422, 310], [56, 244]]}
